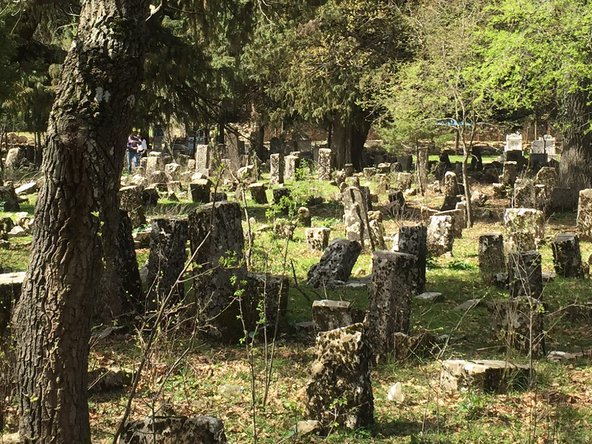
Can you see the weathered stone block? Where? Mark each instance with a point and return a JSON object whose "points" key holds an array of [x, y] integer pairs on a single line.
{"points": [[317, 238], [324, 164], [131, 200], [491, 256], [525, 228], [524, 274], [440, 235], [276, 169], [174, 430], [413, 240], [567, 257], [199, 190], [258, 194], [485, 375], [329, 315], [335, 264], [584, 219]]}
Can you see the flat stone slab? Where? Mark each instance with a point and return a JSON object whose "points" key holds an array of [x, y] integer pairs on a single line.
{"points": [[430, 296], [488, 375], [468, 305]]}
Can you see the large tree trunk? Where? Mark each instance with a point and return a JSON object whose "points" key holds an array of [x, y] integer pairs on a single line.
{"points": [[82, 164], [575, 168], [348, 138]]}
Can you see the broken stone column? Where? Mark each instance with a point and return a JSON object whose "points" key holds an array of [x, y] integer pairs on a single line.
{"points": [[524, 274], [584, 219], [491, 256], [440, 235], [131, 201], [174, 429], [355, 216], [166, 261], [524, 194], [10, 292], [202, 159], [258, 193], [217, 243], [276, 169], [519, 323], [317, 238], [336, 263], [509, 173], [567, 257], [525, 228], [394, 282], [324, 164], [329, 315], [458, 221], [413, 240], [404, 181], [291, 164], [376, 230], [340, 389], [490, 376], [199, 190]]}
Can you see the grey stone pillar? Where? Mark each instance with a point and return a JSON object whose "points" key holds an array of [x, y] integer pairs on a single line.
{"points": [[291, 164], [168, 241], [491, 256], [440, 235], [340, 389], [355, 215], [413, 240], [324, 164], [525, 275], [276, 169], [394, 282], [509, 173], [567, 257], [525, 228]]}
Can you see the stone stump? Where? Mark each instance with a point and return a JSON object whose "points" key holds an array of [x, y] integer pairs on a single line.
{"points": [[317, 238], [336, 263], [278, 193], [340, 389], [355, 216], [413, 240], [524, 274], [8, 199], [450, 187], [394, 282], [440, 236], [567, 257], [16, 158], [217, 243], [131, 201], [168, 240], [291, 164], [154, 163], [173, 171], [324, 164], [304, 218], [376, 230], [258, 194], [276, 169], [519, 323], [490, 376], [509, 174], [348, 169], [491, 256], [584, 219], [547, 176], [10, 292], [524, 194], [199, 190], [458, 221], [404, 181], [525, 228], [329, 315], [265, 301], [369, 172], [174, 430]]}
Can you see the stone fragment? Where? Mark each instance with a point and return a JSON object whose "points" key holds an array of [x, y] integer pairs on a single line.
{"points": [[491, 376], [258, 194], [108, 379], [524, 274], [340, 390], [26, 188], [264, 301], [307, 427], [355, 215], [376, 230], [150, 196], [131, 200], [584, 218], [291, 164], [8, 199], [491, 256], [440, 237], [430, 296], [324, 164], [458, 221], [16, 158], [202, 159], [404, 181], [10, 292], [519, 324], [394, 282], [174, 430], [329, 315], [199, 190], [524, 194], [317, 238], [567, 257], [348, 169], [509, 174], [468, 305], [547, 176], [525, 228], [173, 171], [450, 186], [335, 264], [407, 347], [276, 169]]}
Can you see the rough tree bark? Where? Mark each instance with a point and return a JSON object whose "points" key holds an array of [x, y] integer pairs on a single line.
{"points": [[575, 167], [348, 138], [82, 163]]}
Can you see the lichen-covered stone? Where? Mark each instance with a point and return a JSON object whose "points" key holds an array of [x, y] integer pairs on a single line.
{"points": [[376, 230], [413, 240], [394, 282], [491, 256], [440, 235], [291, 164], [509, 173], [567, 257], [584, 219], [404, 181], [355, 215], [329, 315], [199, 190], [335, 264], [317, 238], [276, 169], [174, 430], [324, 164], [524, 274], [131, 200], [258, 194], [458, 221], [340, 389], [525, 228], [524, 194], [484, 375]]}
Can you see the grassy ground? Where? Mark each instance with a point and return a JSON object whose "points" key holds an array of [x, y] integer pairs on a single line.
{"points": [[216, 380]]}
